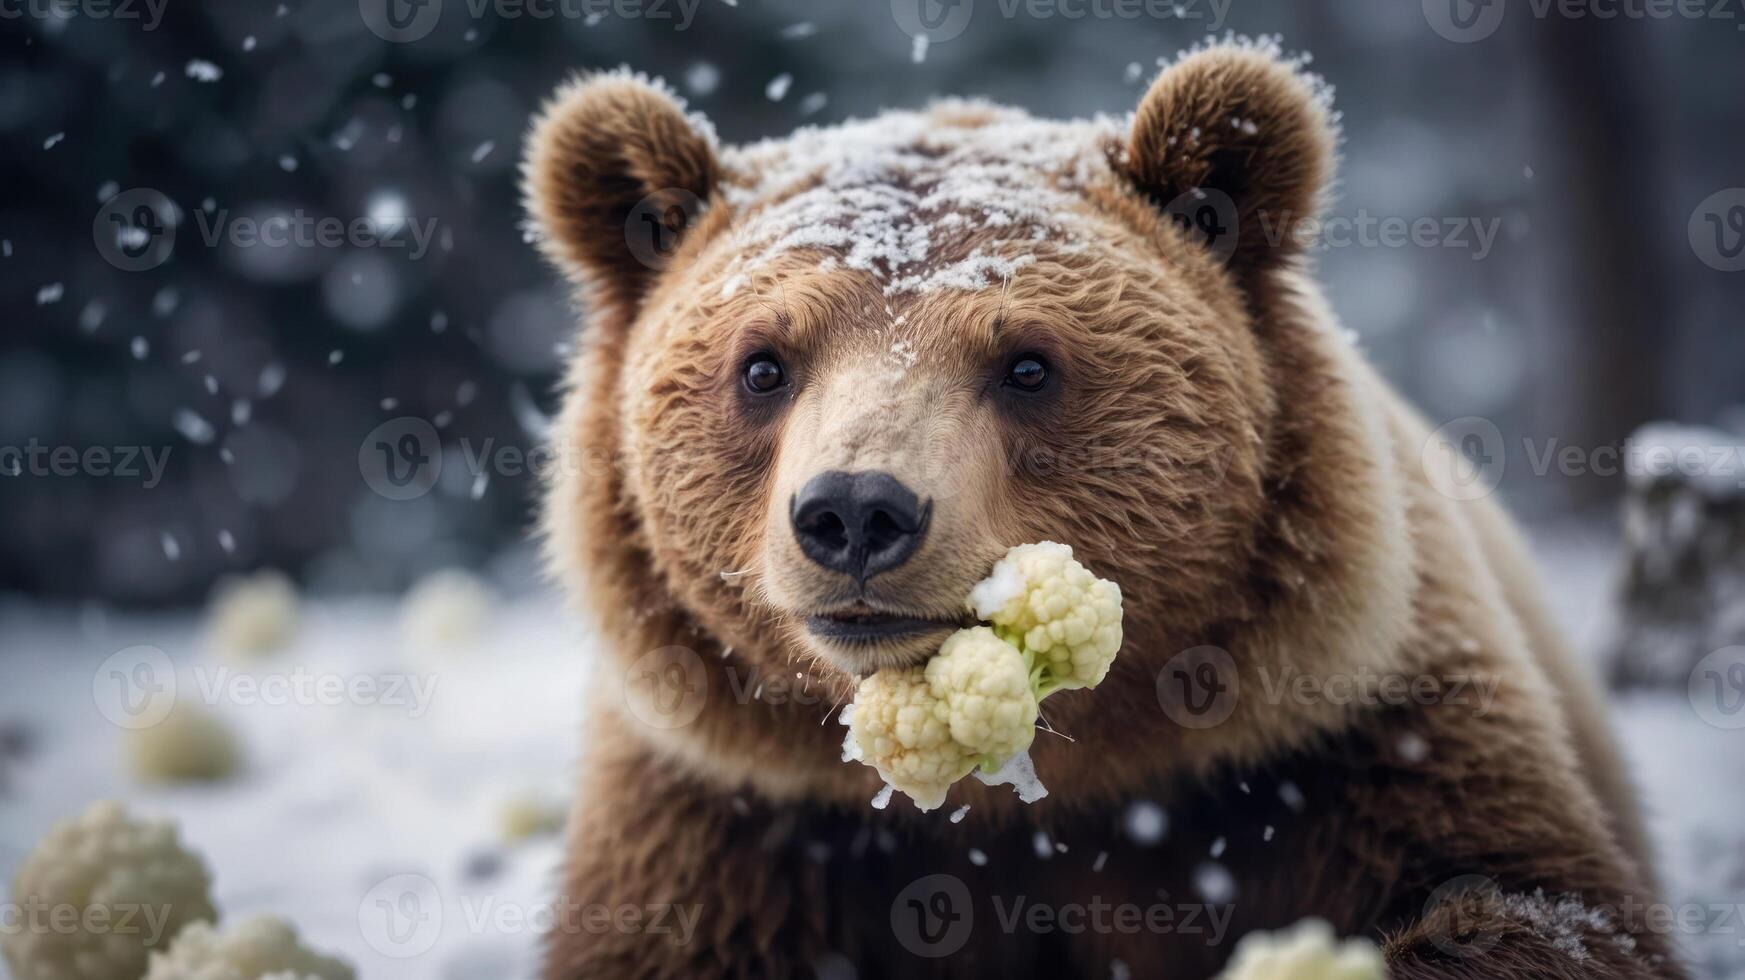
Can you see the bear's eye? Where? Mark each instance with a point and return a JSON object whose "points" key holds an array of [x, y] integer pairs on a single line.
{"points": [[763, 375], [1028, 372]]}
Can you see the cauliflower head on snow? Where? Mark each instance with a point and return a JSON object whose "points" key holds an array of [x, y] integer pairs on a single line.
{"points": [[111, 869], [261, 948]]}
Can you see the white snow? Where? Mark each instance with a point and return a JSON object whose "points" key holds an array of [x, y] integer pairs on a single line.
{"points": [[1214, 883], [193, 426], [917, 202], [1710, 459], [702, 78], [1020, 773], [1145, 822], [201, 70], [352, 793], [991, 594], [813, 103]]}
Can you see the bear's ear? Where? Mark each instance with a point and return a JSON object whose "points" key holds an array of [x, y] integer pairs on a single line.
{"points": [[606, 149], [1237, 142]]}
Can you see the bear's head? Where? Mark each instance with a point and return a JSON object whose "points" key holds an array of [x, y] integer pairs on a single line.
{"points": [[836, 375]]}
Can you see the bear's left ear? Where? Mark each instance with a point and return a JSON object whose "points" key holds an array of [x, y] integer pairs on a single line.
{"points": [[1238, 143], [615, 172]]}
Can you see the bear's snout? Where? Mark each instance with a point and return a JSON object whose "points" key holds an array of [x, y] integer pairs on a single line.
{"points": [[859, 524]]}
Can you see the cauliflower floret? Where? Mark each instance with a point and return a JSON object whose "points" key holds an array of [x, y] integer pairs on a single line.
{"points": [[252, 615], [446, 612], [974, 705], [255, 949], [1066, 619], [1306, 951], [985, 685], [190, 744], [528, 814], [903, 730], [130, 884]]}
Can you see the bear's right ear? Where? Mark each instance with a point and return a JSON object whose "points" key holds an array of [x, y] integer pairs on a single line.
{"points": [[607, 148]]}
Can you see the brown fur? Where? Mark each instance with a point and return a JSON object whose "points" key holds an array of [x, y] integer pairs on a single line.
{"points": [[1258, 488]]}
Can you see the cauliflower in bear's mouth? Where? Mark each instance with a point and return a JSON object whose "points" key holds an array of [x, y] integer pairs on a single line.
{"points": [[973, 705]]}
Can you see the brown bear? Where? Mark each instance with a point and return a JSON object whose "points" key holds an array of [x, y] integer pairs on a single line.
{"points": [[827, 381]]}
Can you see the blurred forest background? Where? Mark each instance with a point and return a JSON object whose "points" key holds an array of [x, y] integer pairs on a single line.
{"points": [[1590, 145]]}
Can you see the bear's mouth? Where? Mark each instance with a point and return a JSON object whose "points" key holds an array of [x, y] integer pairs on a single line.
{"points": [[861, 625]]}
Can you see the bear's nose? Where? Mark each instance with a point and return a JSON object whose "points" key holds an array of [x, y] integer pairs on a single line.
{"points": [[859, 524]]}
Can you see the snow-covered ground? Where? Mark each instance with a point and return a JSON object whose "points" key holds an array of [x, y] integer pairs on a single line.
{"points": [[341, 802], [342, 796]]}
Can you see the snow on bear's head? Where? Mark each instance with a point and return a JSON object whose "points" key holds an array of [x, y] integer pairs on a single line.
{"points": [[838, 373]]}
